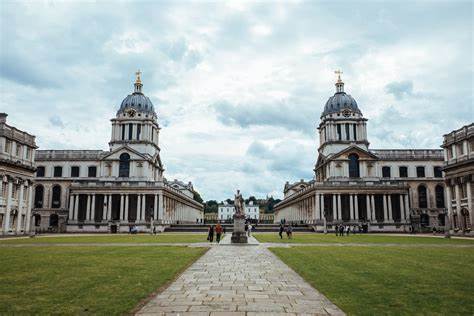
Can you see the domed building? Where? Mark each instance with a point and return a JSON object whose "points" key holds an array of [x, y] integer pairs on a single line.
{"points": [[370, 189], [115, 190]]}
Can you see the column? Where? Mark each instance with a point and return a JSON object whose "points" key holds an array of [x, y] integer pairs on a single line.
{"points": [[109, 208], [372, 206], [322, 206], [28, 210], [339, 215], [160, 207], [407, 206], [71, 206], [334, 207], [139, 207], [155, 207], [317, 210], [389, 202], [385, 211], [368, 209], [458, 200], [8, 208], [126, 208], [402, 209], [20, 209], [88, 209], [143, 206], [122, 215], [351, 207], [93, 207], [76, 207], [356, 207], [469, 201]]}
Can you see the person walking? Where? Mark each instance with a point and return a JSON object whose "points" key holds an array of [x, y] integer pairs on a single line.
{"points": [[249, 230], [336, 229], [289, 232], [348, 230], [341, 230], [281, 230], [210, 234], [218, 232]]}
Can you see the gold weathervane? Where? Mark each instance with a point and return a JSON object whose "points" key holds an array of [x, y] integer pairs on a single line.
{"points": [[138, 80], [338, 73]]}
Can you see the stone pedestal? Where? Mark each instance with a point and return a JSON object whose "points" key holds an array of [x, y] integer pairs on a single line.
{"points": [[239, 235]]}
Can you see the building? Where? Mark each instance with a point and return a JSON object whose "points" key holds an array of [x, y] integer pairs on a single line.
{"points": [[379, 189], [111, 191], [459, 175], [17, 168], [226, 211]]}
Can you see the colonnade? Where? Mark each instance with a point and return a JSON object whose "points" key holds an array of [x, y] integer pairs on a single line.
{"points": [[312, 208], [163, 208], [17, 201]]}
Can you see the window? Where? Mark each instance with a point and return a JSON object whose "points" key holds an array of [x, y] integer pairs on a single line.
{"points": [[18, 150], [139, 131], [354, 166], [56, 201], [39, 192], [130, 131], [28, 153], [422, 197], [75, 172], [437, 172], [58, 171], [92, 172], [347, 131], [355, 131], [8, 146], [403, 172], [420, 172], [439, 192], [40, 171], [339, 133], [386, 172], [124, 168], [123, 132]]}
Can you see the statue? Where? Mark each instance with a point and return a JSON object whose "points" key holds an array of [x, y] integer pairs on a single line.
{"points": [[239, 235], [239, 204]]}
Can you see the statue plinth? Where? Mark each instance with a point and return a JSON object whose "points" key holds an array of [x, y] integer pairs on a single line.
{"points": [[239, 235]]}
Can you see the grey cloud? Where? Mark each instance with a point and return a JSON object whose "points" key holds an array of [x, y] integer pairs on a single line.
{"points": [[400, 89], [56, 121]]}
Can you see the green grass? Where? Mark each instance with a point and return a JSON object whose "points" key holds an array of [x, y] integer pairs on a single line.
{"points": [[85, 280], [306, 238], [160, 238], [389, 280]]}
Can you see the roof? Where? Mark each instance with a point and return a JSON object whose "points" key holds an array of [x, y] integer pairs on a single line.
{"points": [[408, 154], [70, 154]]}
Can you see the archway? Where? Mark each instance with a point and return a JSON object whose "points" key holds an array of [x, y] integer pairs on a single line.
{"points": [[465, 220], [56, 200], [39, 196], [124, 167], [422, 197], [354, 166], [53, 220]]}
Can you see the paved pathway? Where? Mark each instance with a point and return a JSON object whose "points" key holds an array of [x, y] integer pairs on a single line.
{"points": [[239, 280]]}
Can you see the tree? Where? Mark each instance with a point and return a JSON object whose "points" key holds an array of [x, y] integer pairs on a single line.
{"points": [[197, 197], [211, 206], [251, 198]]}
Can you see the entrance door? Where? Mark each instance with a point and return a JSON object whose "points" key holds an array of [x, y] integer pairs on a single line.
{"points": [[113, 229]]}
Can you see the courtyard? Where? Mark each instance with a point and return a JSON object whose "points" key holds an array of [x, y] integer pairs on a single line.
{"points": [[119, 274]]}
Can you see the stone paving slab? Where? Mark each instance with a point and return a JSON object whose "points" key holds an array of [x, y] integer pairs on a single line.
{"points": [[239, 280]]}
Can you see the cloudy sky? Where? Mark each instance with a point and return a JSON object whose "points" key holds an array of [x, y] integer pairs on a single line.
{"points": [[238, 86]]}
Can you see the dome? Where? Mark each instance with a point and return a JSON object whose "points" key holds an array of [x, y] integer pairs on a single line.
{"points": [[137, 101], [340, 101]]}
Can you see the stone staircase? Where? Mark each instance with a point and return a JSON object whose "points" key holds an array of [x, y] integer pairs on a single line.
{"points": [[260, 228]]}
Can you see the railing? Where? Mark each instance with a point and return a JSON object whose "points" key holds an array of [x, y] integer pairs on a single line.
{"points": [[17, 160]]}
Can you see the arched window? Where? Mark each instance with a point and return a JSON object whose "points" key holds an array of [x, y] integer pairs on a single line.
{"points": [[39, 196], [354, 166], [439, 191], [124, 169], [56, 202], [422, 198]]}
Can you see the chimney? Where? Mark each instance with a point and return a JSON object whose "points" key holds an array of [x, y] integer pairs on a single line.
{"points": [[3, 118]]}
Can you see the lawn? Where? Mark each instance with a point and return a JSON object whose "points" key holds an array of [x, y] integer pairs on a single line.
{"points": [[86, 280], [306, 238], [389, 280], [105, 238]]}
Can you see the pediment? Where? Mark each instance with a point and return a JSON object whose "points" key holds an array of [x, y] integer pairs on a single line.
{"points": [[363, 154], [134, 155]]}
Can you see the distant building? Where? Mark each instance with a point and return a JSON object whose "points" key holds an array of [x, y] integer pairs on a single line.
{"points": [[385, 189], [459, 175], [17, 168], [226, 211]]}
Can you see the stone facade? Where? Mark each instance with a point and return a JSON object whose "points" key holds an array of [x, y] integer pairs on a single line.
{"points": [[459, 176], [114, 190], [386, 189], [17, 167]]}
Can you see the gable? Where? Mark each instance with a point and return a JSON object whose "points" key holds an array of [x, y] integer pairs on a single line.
{"points": [[363, 154], [134, 155]]}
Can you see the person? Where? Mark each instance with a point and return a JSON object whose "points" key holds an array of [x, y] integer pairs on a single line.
{"points": [[281, 230], [210, 234], [250, 230], [246, 228], [154, 230], [289, 232], [336, 229], [218, 232], [341, 230], [348, 230], [223, 229]]}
